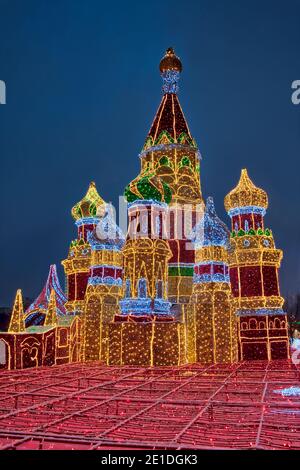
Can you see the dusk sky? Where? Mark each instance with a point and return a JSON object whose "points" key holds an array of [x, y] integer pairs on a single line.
{"points": [[83, 86]]}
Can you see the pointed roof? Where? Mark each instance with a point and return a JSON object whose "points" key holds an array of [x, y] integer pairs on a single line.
{"points": [[51, 315], [169, 125], [41, 303], [89, 205], [245, 194], [210, 231], [17, 324]]}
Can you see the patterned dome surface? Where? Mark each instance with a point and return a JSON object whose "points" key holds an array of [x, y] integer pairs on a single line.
{"points": [[148, 186], [210, 231], [245, 194], [90, 205], [107, 233]]}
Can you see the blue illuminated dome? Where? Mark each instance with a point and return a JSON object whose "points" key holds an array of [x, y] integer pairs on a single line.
{"points": [[210, 231]]}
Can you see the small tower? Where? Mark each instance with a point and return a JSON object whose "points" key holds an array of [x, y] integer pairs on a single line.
{"points": [[86, 213], [17, 324], [104, 287], [212, 333], [51, 315], [254, 262]]}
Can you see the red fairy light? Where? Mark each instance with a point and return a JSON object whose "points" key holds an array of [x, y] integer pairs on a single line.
{"points": [[190, 412]]}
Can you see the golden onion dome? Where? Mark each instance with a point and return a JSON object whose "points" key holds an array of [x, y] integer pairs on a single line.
{"points": [[170, 61], [91, 205], [245, 194]]}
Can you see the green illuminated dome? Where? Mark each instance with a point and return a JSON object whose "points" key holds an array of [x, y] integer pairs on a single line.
{"points": [[148, 186]]}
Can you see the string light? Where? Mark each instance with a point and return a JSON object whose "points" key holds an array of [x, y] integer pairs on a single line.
{"points": [[176, 290], [17, 324], [86, 214], [254, 263], [211, 320]]}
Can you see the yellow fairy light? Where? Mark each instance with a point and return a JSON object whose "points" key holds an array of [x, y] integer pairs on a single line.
{"points": [[17, 324], [51, 315]]}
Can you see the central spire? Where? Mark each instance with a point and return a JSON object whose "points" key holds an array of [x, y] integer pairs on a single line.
{"points": [[169, 125], [170, 68]]}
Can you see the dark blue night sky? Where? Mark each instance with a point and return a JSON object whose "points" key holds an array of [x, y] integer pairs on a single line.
{"points": [[83, 87]]}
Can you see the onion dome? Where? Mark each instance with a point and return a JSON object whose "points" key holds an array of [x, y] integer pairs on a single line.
{"points": [[210, 231], [245, 194], [107, 234], [148, 186], [91, 205], [170, 61]]}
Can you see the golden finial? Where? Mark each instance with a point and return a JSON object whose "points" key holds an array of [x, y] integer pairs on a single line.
{"points": [[170, 61]]}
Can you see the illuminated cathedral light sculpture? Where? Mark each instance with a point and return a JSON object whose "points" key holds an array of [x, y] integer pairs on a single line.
{"points": [[17, 324], [211, 320], [254, 262], [86, 214], [180, 288]]}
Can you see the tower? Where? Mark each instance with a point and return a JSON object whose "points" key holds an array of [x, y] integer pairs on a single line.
{"points": [[171, 153], [104, 287], [146, 251], [145, 332], [17, 324], [211, 320], [254, 262], [86, 214], [51, 316]]}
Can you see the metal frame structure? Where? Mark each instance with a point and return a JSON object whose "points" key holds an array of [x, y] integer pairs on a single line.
{"points": [[92, 406]]}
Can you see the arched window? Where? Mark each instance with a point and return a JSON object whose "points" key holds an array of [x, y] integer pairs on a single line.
{"points": [[244, 326], [142, 288], [271, 326], [253, 324], [277, 323], [157, 225], [159, 289], [283, 324], [127, 288], [164, 160], [262, 325], [145, 224], [185, 161], [2, 352]]}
